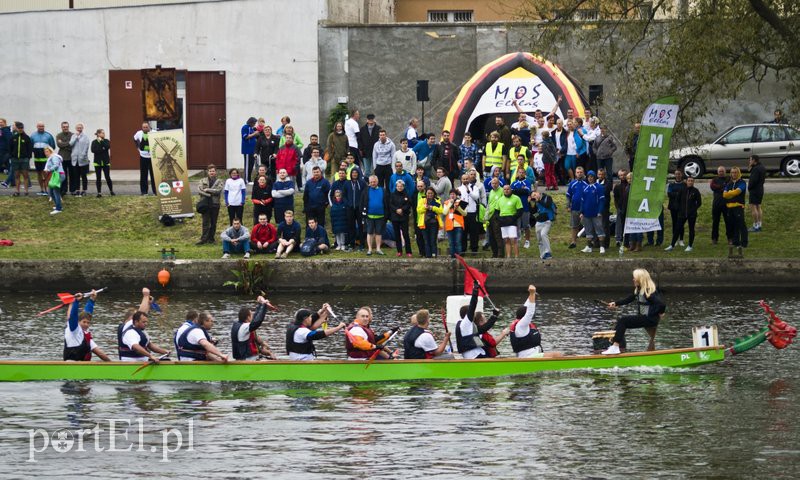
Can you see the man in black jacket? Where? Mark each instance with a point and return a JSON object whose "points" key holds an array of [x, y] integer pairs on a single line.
{"points": [[448, 156], [718, 208], [367, 137], [21, 151], [756, 188]]}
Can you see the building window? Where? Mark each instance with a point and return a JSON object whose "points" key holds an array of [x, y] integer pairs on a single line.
{"points": [[442, 16], [581, 15], [646, 10]]}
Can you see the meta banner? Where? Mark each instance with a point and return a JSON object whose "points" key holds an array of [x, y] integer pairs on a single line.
{"points": [[171, 173], [650, 167]]}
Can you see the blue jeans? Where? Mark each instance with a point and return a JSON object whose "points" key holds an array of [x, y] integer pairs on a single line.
{"points": [[7, 163], [659, 234], [55, 194], [429, 234], [454, 237], [241, 247]]}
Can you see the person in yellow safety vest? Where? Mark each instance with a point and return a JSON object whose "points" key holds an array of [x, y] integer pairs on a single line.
{"points": [[496, 154], [515, 151]]}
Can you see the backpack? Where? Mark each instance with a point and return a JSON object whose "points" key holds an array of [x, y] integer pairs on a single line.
{"points": [[308, 248]]}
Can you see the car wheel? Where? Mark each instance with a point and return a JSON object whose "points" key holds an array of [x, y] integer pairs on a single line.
{"points": [[791, 167], [693, 167]]}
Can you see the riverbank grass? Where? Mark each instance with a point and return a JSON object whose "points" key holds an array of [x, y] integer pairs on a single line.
{"points": [[127, 227]]}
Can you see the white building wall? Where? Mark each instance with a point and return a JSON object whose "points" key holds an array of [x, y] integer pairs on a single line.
{"points": [[56, 63]]}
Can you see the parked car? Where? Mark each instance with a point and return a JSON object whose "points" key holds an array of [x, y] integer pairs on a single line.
{"points": [[778, 147]]}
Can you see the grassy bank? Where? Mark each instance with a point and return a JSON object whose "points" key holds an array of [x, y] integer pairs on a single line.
{"points": [[127, 227]]}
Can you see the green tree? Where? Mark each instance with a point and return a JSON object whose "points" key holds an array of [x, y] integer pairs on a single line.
{"points": [[707, 52]]}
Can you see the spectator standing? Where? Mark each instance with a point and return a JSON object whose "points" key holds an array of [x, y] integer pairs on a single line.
{"points": [[367, 137], [734, 195], [249, 140], [674, 191], [400, 211], [509, 209], [401, 174], [54, 172], [496, 154], [262, 198], [142, 141], [352, 130], [210, 187], [543, 210], [267, 145], [336, 148], [235, 239], [382, 156], [454, 222], [313, 144], [354, 189], [408, 158], [592, 201], [5, 152], [469, 151], [718, 208], [559, 136], [447, 156], [470, 193], [101, 149], [429, 211], [375, 210], [604, 147], [411, 133], [235, 192], [424, 152], [80, 143], [549, 159], [283, 194], [574, 194], [688, 204], [315, 196], [521, 187], [494, 234], [441, 185], [288, 157], [339, 219], [503, 131], [40, 139], [604, 181], [20, 154], [755, 185], [416, 198], [65, 151], [314, 161]]}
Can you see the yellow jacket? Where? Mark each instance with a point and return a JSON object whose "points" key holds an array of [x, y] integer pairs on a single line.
{"points": [[422, 209]]}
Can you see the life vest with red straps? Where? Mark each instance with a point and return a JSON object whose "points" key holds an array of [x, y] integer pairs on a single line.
{"points": [[532, 340], [489, 344], [81, 353]]}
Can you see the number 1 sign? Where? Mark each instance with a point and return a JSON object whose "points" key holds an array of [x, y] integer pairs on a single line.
{"points": [[705, 336]]}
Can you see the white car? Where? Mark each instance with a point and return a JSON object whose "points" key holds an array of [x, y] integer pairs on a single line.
{"points": [[777, 146]]}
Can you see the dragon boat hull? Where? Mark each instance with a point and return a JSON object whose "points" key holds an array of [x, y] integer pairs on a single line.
{"points": [[347, 371]]}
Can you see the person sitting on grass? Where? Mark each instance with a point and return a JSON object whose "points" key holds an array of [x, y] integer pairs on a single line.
{"points": [[78, 343], [235, 239], [317, 233], [264, 237], [288, 235]]}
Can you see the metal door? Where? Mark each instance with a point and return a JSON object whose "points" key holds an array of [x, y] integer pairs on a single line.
{"points": [[205, 119]]}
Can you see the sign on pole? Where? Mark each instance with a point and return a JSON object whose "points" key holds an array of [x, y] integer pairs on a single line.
{"points": [[171, 173], [650, 165]]}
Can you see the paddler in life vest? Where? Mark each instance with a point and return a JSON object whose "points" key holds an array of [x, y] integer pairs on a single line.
{"points": [[78, 343], [361, 341], [306, 327], [134, 343], [526, 341], [144, 306], [245, 341], [419, 343], [487, 339], [467, 331], [195, 343]]}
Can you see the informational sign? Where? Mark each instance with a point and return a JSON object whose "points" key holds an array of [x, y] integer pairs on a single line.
{"points": [[168, 152], [650, 166]]}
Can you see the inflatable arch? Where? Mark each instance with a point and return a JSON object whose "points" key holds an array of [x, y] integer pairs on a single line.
{"points": [[533, 81]]}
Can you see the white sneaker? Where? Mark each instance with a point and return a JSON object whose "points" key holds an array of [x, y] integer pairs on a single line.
{"points": [[587, 249], [247, 255], [668, 249], [621, 250], [680, 243], [602, 250], [55, 212], [527, 244], [612, 350], [226, 255], [689, 249]]}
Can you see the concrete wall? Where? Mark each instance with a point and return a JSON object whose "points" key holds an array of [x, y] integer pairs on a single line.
{"points": [[56, 66], [439, 276]]}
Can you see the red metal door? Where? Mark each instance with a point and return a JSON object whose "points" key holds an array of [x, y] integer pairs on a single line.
{"points": [[125, 117], [205, 119]]}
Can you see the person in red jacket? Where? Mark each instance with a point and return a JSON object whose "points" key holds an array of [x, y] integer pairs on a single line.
{"points": [[264, 237], [288, 157]]}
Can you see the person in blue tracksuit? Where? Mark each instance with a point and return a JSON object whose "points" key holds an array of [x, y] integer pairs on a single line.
{"points": [[574, 193]]}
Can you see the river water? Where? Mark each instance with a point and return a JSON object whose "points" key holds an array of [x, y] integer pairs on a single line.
{"points": [[736, 419]]}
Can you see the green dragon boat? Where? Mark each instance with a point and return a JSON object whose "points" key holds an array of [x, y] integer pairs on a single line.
{"points": [[348, 371]]}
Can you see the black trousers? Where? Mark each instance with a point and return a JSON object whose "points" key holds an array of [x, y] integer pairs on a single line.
{"points": [[99, 172], [419, 234], [678, 229], [384, 173], [717, 212], [631, 321], [472, 230], [67, 178], [259, 209], [235, 212], [249, 165], [355, 228], [210, 224], [738, 227], [83, 171], [74, 177], [673, 215], [401, 234], [495, 237], [145, 168], [317, 213]]}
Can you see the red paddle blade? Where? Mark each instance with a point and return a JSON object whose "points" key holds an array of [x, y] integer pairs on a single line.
{"points": [[50, 310], [66, 297]]}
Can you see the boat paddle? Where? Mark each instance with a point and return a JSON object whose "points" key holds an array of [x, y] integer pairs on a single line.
{"points": [[68, 298], [269, 305], [444, 322], [381, 346], [149, 362]]}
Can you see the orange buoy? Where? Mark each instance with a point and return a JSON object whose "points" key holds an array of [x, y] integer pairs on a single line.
{"points": [[163, 277]]}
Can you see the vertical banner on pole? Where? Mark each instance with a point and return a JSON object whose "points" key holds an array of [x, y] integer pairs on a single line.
{"points": [[171, 173], [650, 165]]}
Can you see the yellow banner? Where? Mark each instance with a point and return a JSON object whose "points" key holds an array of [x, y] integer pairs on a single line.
{"points": [[171, 173]]}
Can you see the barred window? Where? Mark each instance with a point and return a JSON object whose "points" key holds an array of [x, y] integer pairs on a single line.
{"points": [[443, 16]]}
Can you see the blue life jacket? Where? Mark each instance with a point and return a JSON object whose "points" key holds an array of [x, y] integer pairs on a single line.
{"points": [[465, 344], [410, 351], [123, 350], [190, 350]]}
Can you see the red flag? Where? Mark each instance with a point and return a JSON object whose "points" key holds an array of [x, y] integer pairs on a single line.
{"points": [[472, 275]]}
